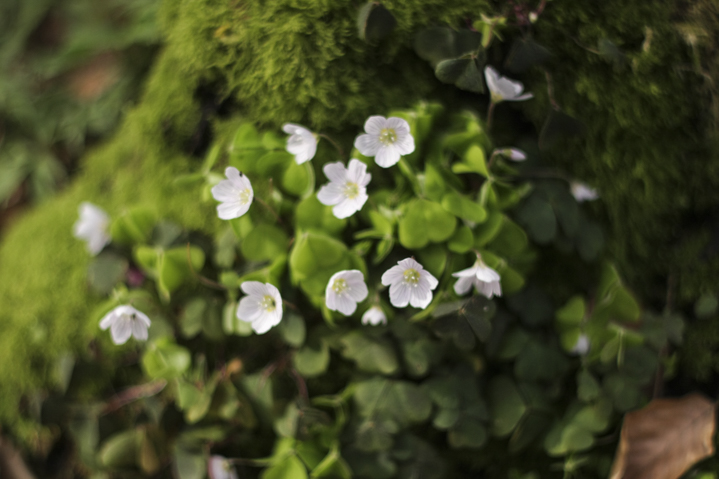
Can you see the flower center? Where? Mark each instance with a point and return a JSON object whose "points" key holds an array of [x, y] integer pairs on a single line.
{"points": [[411, 276], [245, 196], [496, 97], [351, 190], [268, 303], [339, 286], [387, 136]]}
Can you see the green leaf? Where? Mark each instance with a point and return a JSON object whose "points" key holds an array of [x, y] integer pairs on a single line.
{"points": [[370, 354], [296, 179], [175, 265], [474, 162], [510, 241], [433, 258], [506, 404], [464, 73], [706, 306], [589, 240], [120, 449], [462, 241], [463, 207], [400, 401], [313, 215], [292, 329], [165, 360], [540, 362], [588, 388], [106, 270], [413, 231], [265, 242], [192, 317], [488, 230], [189, 464], [134, 226], [288, 468], [538, 216], [467, 434], [526, 53], [286, 425], [311, 362], [610, 51], [572, 313], [435, 44], [375, 22]]}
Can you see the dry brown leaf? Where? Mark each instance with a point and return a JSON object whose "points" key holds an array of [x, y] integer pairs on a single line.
{"points": [[663, 440]]}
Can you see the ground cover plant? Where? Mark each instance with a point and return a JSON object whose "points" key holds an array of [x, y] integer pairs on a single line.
{"points": [[356, 247]]}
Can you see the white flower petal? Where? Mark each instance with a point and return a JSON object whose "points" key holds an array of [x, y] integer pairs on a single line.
{"points": [[336, 172], [356, 171], [330, 194], [463, 285], [526, 96], [582, 192], [504, 89], [302, 143], [139, 330], [375, 124], [249, 309], [262, 307], [368, 145], [393, 275], [107, 320], [229, 211], [121, 330], [125, 321], [387, 156], [420, 299], [344, 209], [92, 227], [374, 316], [486, 274], [399, 294]]}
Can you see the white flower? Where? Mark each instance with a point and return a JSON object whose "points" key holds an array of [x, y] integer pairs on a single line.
{"points": [[262, 307], [302, 142], [484, 279], [409, 283], [235, 194], [219, 467], [92, 227], [347, 189], [502, 88], [125, 321], [582, 192], [374, 316], [344, 290], [386, 139], [513, 154], [581, 347]]}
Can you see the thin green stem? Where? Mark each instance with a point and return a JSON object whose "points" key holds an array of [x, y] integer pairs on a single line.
{"points": [[334, 143]]}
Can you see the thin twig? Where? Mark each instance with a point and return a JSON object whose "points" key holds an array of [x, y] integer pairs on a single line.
{"points": [[490, 113], [266, 205], [550, 90], [132, 394], [301, 385]]}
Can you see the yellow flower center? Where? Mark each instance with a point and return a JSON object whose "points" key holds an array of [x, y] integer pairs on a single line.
{"points": [[339, 286], [351, 190], [411, 276], [496, 97], [387, 136], [268, 303], [245, 196]]}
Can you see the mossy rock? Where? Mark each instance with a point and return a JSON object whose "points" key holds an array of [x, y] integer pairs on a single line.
{"points": [[302, 61]]}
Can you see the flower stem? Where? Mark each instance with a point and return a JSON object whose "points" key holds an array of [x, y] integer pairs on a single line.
{"points": [[490, 113], [272, 210], [334, 143], [407, 171]]}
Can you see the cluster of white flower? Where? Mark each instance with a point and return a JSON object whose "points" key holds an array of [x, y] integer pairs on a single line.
{"points": [[386, 139]]}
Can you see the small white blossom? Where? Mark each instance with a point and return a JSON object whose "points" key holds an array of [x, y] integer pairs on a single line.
{"points": [[387, 139], [262, 306], [347, 189], [581, 347], [234, 194], [374, 316], [344, 290], [302, 142], [125, 321], [502, 88], [513, 154], [484, 279], [582, 192], [219, 467], [92, 227], [409, 283]]}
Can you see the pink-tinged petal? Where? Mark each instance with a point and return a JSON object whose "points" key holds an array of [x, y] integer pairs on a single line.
{"points": [[139, 330], [330, 194], [121, 330], [374, 125], [336, 172], [387, 156], [399, 294], [249, 309], [254, 288], [368, 145], [356, 171], [463, 285], [421, 299], [393, 275]]}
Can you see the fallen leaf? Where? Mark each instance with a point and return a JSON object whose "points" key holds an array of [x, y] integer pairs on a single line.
{"points": [[665, 439]]}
